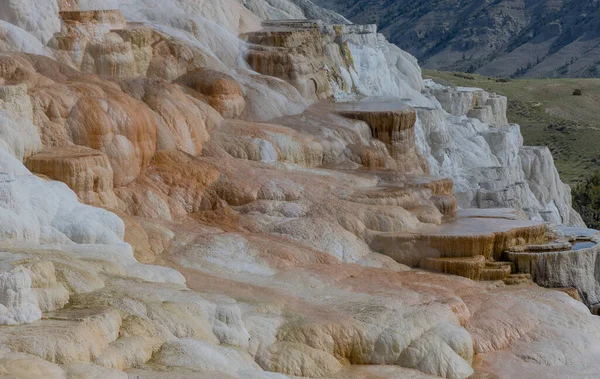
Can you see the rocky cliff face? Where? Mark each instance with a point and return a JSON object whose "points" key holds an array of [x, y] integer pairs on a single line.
{"points": [[497, 38], [210, 190], [467, 137]]}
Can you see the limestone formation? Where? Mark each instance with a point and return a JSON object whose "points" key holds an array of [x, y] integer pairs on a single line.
{"points": [[184, 123], [473, 102], [393, 126], [183, 193], [289, 51], [86, 171], [486, 158], [15, 39], [219, 90], [39, 18], [323, 60], [552, 265]]}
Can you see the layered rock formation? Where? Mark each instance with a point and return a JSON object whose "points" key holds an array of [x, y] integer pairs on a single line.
{"points": [[551, 264], [468, 138], [176, 201]]}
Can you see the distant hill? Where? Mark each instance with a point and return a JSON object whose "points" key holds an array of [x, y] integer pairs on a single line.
{"points": [[516, 38]]}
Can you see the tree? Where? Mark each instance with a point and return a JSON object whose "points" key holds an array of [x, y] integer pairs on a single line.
{"points": [[586, 200]]}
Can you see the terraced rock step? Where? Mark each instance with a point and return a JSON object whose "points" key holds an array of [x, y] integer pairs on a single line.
{"points": [[86, 171], [485, 236], [516, 279], [496, 271], [385, 116], [315, 58], [65, 336], [476, 268], [554, 246], [289, 51], [551, 265], [467, 235], [471, 267], [292, 24], [392, 122], [114, 17], [437, 184], [282, 37]]}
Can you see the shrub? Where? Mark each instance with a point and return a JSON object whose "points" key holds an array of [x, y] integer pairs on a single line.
{"points": [[462, 75], [577, 92]]}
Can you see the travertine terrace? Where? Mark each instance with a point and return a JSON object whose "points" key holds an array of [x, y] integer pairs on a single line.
{"points": [[205, 189]]}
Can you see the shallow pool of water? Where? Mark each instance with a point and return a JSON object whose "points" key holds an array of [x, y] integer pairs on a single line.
{"points": [[582, 245]]}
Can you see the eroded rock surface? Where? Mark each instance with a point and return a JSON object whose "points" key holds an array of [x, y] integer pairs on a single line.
{"points": [[180, 196]]}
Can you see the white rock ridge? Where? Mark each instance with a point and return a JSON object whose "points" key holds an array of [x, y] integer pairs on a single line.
{"points": [[465, 135]]}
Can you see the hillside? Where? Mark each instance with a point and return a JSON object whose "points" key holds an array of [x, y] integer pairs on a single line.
{"points": [[517, 38], [549, 115]]}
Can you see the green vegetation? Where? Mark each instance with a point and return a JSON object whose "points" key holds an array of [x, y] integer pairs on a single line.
{"points": [[586, 200], [549, 115]]}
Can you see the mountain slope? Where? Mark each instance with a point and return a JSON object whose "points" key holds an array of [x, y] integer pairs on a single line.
{"points": [[524, 38]]}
